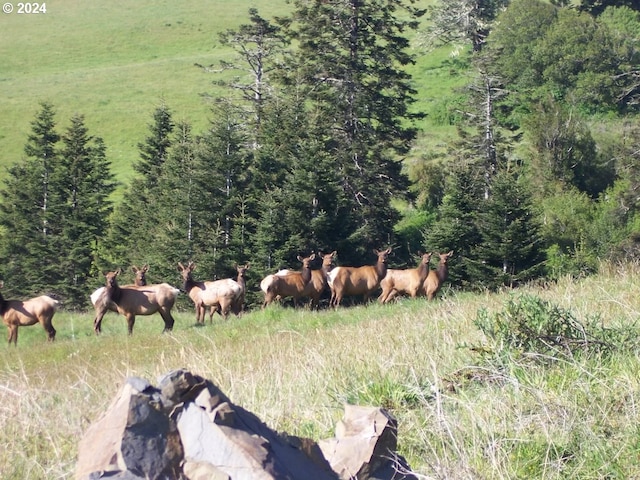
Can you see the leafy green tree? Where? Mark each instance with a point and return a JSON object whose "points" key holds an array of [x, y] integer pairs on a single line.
{"points": [[597, 7], [564, 151]]}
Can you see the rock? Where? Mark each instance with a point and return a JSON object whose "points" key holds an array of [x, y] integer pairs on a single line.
{"points": [[364, 446], [187, 429]]}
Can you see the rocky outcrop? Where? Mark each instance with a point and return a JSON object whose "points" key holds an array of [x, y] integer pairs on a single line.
{"points": [[187, 429]]}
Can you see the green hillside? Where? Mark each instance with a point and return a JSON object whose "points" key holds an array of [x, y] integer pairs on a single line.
{"points": [[114, 62]]}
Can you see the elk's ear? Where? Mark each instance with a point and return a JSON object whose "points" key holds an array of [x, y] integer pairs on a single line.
{"points": [[134, 269], [117, 272], [145, 269], [1, 283], [312, 257], [247, 265], [334, 253]]}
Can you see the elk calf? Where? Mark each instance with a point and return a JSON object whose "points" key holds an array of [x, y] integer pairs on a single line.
{"points": [[18, 313], [408, 282], [221, 295], [357, 280], [132, 300], [289, 284]]}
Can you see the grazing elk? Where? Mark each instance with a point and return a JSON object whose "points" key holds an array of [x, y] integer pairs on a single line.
{"points": [[408, 282], [290, 284], [221, 295], [238, 306], [140, 281], [18, 313], [436, 278], [132, 300], [357, 280], [318, 284]]}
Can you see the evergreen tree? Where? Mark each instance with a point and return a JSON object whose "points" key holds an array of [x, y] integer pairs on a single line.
{"points": [[83, 184], [351, 64], [510, 251], [27, 247], [129, 233]]}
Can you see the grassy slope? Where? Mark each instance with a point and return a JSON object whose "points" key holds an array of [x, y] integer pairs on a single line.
{"points": [[115, 62], [458, 418]]}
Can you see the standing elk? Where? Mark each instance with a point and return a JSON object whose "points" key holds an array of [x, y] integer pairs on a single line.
{"points": [[289, 284], [18, 313], [357, 280], [132, 300], [238, 306], [221, 295], [318, 284], [408, 282], [140, 281], [436, 278]]}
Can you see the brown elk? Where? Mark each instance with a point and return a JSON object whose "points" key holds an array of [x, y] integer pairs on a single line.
{"points": [[221, 295], [132, 300], [140, 281], [238, 306], [318, 284], [408, 281], [357, 280], [18, 313], [290, 284], [436, 278]]}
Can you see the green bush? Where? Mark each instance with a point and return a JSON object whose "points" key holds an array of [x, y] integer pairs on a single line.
{"points": [[530, 325]]}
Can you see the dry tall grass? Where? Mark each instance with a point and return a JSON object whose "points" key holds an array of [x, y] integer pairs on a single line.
{"points": [[458, 417]]}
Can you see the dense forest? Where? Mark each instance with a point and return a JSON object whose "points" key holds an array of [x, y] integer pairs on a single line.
{"points": [[307, 152]]}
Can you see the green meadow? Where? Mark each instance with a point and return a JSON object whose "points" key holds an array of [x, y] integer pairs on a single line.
{"points": [[462, 414], [115, 62]]}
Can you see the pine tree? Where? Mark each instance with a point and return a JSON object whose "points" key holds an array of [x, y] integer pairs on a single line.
{"points": [[351, 65], [129, 233], [83, 184], [26, 246]]}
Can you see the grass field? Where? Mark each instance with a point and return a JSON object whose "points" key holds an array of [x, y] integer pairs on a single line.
{"points": [[115, 62], [459, 417]]}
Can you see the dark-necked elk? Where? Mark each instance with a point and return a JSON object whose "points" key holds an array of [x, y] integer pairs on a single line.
{"points": [[132, 300], [140, 281], [436, 278], [347, 281], [408, 282], [221, 295], [318, 283], [289, 284], [238, 306], [18, 313]]}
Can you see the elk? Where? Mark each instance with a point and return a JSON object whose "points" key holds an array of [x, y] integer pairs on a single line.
{"points": [[140, 281], [409, 281], [357, 280], [132, 300], [221, 295], [18, 313], [318, 284], [238, 306], [287, 284], [436, 278]]}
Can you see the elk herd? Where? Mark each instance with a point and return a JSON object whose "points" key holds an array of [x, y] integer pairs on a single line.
{"points": [[228, 295]]}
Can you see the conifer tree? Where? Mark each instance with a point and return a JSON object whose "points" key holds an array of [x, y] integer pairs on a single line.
{"points": [[26, 245], [83, 184], [350, 64]]}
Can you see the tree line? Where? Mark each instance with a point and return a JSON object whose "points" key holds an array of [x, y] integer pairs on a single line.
{"points": [[305, 153]]}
